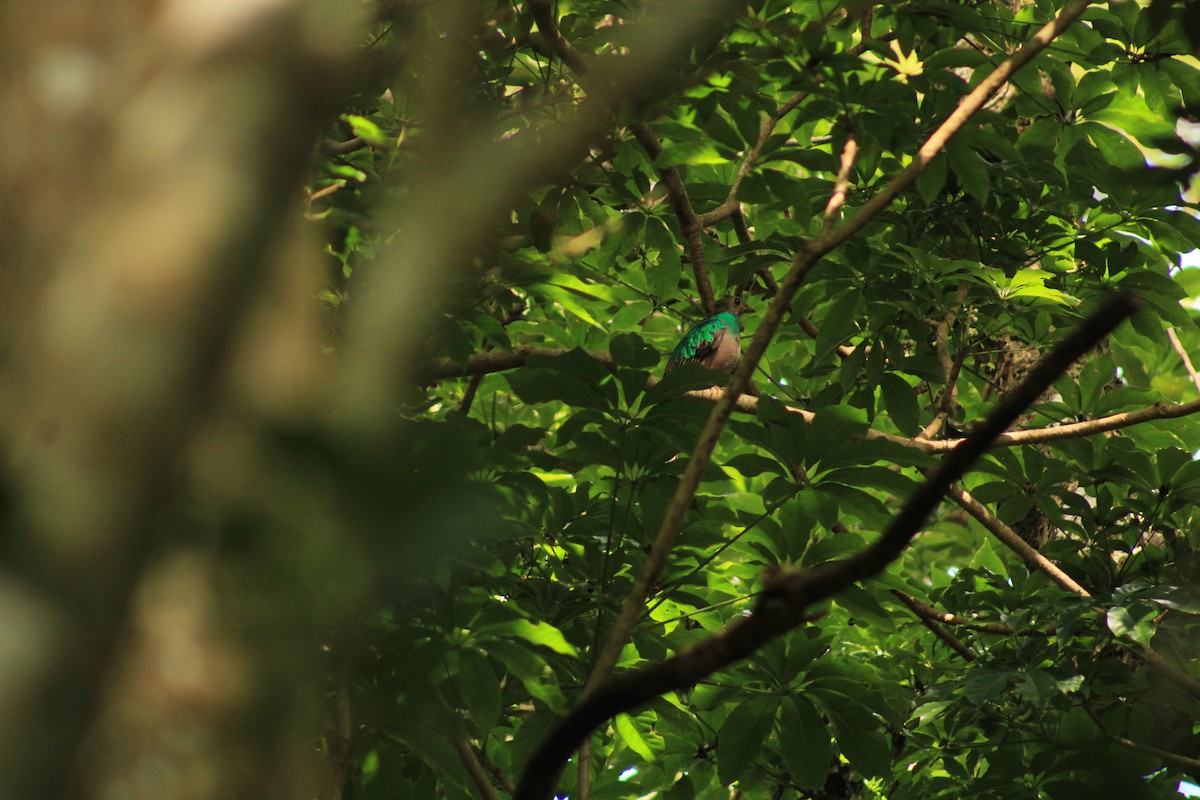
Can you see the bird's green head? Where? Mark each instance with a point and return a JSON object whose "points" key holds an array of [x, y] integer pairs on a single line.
{"points": [[733, 305]]}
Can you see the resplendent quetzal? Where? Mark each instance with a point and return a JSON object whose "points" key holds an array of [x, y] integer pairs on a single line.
{"points": [[717, 341]]}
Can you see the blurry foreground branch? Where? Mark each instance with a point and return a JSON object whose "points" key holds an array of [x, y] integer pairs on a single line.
{"points": [[179, 137]]}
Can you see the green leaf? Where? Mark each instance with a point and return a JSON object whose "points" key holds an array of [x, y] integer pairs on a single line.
{"points": [[985, 557], [838, 324], [1135, 621], [630, 350], [539, 633], [859, 734], [574, 378], [367, 129], [480, 688], [684, 378], [932, 179], [983, 684], [663, 277], [804, 742], [1130, 115], [632, 737], [970, 170], [900, 400], [698, 152], [742, 736]]}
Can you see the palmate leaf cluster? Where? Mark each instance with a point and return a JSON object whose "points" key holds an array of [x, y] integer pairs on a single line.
{"points": [[528, 498]]}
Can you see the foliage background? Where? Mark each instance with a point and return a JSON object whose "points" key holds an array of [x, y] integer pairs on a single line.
{"points": [[378, 472]]}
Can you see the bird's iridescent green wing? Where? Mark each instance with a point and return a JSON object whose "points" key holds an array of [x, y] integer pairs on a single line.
{"points": [[703, 339]]}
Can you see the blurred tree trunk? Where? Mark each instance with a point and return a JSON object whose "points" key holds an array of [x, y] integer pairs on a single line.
{"points": [[153, 153]]}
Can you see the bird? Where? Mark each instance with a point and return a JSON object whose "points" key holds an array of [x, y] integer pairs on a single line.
{"points": [[717, 341]]}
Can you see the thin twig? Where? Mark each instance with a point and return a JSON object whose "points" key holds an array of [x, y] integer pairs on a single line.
{"points": [[950, 367], [1183, 354], [689, 224], [842, 185], [931, 622], [691, 228], [479, 775], [326, 191], [468, 755], [1165, 755], [729, 206], [468, 398], [1014, 542], [947, 618], [500, 775], [333, 146]]}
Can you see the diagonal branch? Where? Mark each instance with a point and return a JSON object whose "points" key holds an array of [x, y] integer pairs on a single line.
{"points": [[1037, 561], [923, 609], [1166, 755], [929, 618], [784, 602], [543, 15], [1183, 354], [950, 367], [1075, 430], [805, 259], [842, 185], [1014, 542], [729, 206], [690, 226], [479, 776]]}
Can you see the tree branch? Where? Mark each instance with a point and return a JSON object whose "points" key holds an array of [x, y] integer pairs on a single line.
{"points": [[1037, 561], [1075, 430], [730, 204], [1165, 755], [467, 755], [498, 361], [1183, 354], [479, 776], [923, 609], [784, 602], [543, 15], [500, 775], [334, 147], [1184, 680], [950, 367], [1012, 541], [930, 619], [693, 231], [677, 193], [842, 184]]}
